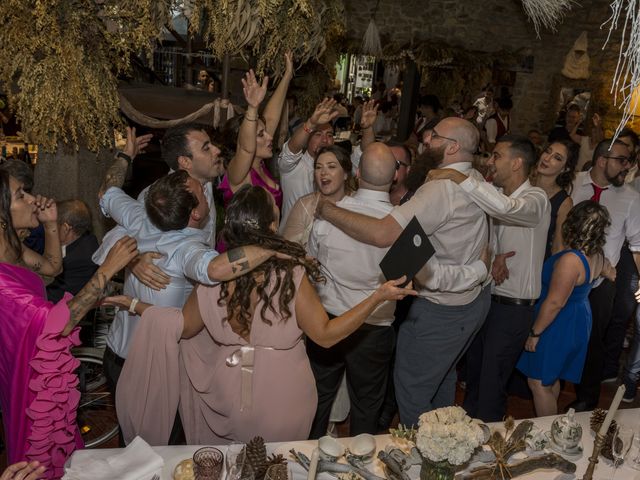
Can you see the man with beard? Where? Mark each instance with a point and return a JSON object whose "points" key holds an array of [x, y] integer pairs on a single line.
{"points": [[604, 183], [441, 323], [520, 213]]}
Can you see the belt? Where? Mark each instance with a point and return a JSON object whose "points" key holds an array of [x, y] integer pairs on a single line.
{"points": [[522, 302]]}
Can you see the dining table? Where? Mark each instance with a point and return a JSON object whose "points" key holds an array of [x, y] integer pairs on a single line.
{"points": [[172, 455]]}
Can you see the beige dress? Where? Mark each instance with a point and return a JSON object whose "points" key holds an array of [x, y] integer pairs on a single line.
{"points": [[228, 389]]}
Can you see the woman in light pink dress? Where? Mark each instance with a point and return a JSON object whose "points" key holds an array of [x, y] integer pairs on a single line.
{"points": [[234, 358], [38, 386]]}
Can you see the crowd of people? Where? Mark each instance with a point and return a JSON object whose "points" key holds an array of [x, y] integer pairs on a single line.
{"points": [[224, 335]]}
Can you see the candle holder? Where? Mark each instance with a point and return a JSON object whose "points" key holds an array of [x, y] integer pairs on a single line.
{"points": [[593, 459]]}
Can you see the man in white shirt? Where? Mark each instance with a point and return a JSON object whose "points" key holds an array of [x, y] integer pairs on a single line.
{"points": [[352, 273], [441, 323], [297, 159], [604, 183], [521, 215]]}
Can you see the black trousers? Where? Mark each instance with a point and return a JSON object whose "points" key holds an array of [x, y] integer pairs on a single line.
{"points": [[365, 355], [623, 307], [601, 300], [492, 357], [112, 367]]}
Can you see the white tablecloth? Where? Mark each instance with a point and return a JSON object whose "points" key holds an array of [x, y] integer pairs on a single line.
{"points": [[629, 417]]}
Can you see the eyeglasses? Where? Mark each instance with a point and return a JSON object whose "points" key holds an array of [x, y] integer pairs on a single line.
{"points": [[401, 164], [435, 134], [621, 160]]}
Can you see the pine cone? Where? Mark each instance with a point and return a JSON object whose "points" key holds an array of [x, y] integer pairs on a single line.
{"points": [[257, 456], [278, 471], [597, 417]]}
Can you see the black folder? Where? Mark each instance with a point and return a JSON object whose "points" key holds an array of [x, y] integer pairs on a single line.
{"points": [[410, 252]]}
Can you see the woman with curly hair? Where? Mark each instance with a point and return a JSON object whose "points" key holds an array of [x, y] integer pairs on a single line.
{"points": [[233, 358], [554, 173], [557, 343]]}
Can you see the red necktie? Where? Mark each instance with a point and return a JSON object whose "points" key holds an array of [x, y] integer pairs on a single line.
{"points": [[597, 191]]}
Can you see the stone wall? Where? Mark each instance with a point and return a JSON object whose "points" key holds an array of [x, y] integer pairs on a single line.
{"points": [[494, 25]]}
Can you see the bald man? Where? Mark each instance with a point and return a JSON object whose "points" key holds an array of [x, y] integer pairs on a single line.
{"points": [[452, 305], [352, 273]]}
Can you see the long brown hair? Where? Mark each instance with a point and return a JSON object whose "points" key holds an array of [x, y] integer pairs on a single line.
{"points": [[14, 246], [248, 222], [585, 227]]}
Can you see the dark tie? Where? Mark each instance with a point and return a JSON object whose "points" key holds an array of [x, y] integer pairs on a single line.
{"points": [[597, 191]]}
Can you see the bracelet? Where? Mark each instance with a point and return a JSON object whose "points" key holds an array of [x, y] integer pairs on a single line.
{"points": [[132, 307], [533, 334], [307, 129], [125, 157]]}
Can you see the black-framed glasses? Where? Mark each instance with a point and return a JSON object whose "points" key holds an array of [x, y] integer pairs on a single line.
{"points": [[621, 160], [435, 134], [399, 164]]}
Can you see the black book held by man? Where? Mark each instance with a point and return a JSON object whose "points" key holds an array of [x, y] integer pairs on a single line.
{"points": [[408, 254]]}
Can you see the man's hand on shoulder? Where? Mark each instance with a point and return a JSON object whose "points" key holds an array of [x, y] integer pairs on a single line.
{"points": [[446, 174]]}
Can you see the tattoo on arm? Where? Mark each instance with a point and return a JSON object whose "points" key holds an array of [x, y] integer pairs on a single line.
{"points": [[236, 254], [115, 175], [37, 266], [85, 299]]}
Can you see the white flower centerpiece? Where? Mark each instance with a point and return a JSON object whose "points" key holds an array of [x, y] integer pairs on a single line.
{"points": [[446, 438]]}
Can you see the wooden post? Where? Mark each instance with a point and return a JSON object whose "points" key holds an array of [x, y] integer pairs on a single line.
{"points": [[408, 103]]}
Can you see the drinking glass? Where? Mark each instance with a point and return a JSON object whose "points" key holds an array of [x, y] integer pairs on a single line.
{"points": [[240, 471], [235, 454], [635, 451], [622, 440], [207, 463]]}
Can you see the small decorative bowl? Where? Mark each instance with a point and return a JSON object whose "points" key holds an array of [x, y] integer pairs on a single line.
{"points": [[330, 449], [363, 447]]}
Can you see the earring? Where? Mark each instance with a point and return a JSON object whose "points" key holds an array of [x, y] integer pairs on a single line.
{"points": [[3, 225]]}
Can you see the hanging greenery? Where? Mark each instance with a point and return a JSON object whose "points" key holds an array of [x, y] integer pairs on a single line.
{"points": [[269, 28], [60, 60]]}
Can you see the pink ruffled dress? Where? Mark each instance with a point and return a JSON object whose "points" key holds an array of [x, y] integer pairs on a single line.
{"points": [[38, 386]]}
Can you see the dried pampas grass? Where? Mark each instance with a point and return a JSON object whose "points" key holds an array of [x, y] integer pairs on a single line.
{"points": [[546, 13]]}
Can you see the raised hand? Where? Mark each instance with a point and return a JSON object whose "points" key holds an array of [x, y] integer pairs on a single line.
{"points": [[136, 145], [124, 250], [288, 61], [499, 271], [254, 92], [148, 273], [324, 113], [369, 114], [391, 291], [46, 212]]}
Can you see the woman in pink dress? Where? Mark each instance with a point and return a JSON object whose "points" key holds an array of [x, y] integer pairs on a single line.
{"points": [[233, 358], [38, 386], [255, 136]]}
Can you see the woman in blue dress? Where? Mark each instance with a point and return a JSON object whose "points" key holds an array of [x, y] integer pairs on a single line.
{"points": [[557, 344]]}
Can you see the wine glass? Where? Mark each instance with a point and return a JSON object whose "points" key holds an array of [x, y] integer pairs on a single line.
{"points": [[235, 454], [620, 446], [240, 471]]}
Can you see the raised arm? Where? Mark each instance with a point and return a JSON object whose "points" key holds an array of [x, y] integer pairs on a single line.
{"points": [[369, 115], [314, 321], [273, 109], [324, 113], [119, 256], [117, 171], [241, 162], [50, 263]]}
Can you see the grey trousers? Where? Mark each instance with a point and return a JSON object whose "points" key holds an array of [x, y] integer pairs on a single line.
{"points": [[430, 342]]}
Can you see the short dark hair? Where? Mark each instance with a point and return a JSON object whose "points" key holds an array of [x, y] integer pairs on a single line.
{"points": [[76, 214], [602, 149], [574, 107], [627, 132], [431, 101], [522, 147], [20, 171], [169, 202], [174, 143], [505, 103]]}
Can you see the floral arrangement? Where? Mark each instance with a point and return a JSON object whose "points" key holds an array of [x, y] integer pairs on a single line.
{"points": [[448, 434]]}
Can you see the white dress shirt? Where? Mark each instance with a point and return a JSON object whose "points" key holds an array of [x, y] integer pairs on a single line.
{"points": [[521, 223], [623, 204], [457, 228], [185, 259], [351, 268], [297, 179]]}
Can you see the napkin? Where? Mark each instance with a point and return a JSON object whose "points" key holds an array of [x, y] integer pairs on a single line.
{"points": [[136, 462]]}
